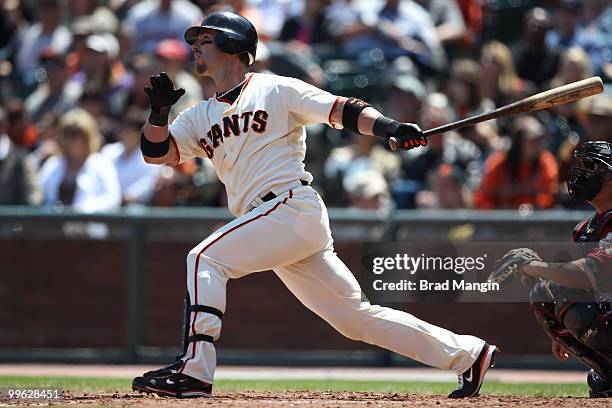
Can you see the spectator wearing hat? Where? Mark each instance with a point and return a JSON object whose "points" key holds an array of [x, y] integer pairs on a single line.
{"points": [[525, 175], [367, 190], [137, 178], [80, 177], [173, 57], [104, 72], [405, 98], [48, 33], [18, 177], [595, 117], [362, 154], [55, 94], [152, 21]]}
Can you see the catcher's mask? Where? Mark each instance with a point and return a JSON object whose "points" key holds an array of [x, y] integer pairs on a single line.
{"points": [[235, 34], [585, 181]]}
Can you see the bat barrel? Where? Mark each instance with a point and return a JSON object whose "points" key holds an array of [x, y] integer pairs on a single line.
{"points": [[544, 100]]}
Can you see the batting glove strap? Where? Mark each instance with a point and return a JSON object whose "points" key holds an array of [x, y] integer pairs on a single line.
{"points": [[408, 135]]}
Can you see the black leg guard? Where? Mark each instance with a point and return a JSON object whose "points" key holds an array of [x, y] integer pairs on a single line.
{"points": [[578, 327], [188, 308]]}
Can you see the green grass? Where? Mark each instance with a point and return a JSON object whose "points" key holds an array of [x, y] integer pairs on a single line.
{"points": [[124, 385]]}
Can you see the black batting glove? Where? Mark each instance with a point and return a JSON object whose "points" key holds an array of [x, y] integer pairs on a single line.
{"points": [[407, 136], [161, 93]]}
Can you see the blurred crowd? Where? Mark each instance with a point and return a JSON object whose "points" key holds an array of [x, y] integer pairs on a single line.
{"points": [[72, 74]]}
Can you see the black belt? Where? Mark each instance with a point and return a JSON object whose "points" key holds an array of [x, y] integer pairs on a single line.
{"points": [[272, 196]]}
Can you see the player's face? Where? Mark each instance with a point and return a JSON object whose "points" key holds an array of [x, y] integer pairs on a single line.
{"points": [[206, 52]]}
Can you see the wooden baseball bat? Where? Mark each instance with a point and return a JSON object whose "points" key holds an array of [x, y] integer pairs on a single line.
{"points": [[543, 100]]}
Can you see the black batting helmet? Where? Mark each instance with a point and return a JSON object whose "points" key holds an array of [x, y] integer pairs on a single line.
{"points": [[235, 34], [586, 181]]}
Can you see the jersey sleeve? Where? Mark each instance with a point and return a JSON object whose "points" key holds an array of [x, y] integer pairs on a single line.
{"points": [[184, 135], [600, 262], [308, 103]]}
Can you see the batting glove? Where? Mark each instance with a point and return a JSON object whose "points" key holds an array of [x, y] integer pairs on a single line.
{"points": [[407, 136], [161, 93]]}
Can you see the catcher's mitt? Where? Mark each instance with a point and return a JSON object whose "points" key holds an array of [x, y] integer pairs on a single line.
{"points": [[511, 264]]}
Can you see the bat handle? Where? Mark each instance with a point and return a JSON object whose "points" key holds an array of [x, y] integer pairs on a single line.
{"points": [[393, 143]]}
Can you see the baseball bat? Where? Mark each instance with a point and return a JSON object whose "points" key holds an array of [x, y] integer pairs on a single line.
{"points": [[543, 100]]}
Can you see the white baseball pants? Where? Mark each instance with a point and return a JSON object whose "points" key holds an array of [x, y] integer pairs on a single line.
{"points": [[291, 236]]}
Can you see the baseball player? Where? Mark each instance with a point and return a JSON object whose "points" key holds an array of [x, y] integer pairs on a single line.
{"points": [[252, 130], [572, 301]]}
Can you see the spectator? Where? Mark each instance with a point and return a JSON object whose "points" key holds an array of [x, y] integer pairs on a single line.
{"points": [[152, 21], [447, 19], [500, 83], [104, 72], [466, 95], [55, 94], [405, 96], [137, 178], [363, 154], [173, 58], [596, 37], [449, 190], [525, 175], [450, 27], [21, 129], [80, 177], [47, 34], [8, 26], [310, 27], [564, 120], [596, 120], [397, 28], [535, 61], [367, 190], [276, 12], [143, 67], [566, 25], [18, 178], [420, 166]]}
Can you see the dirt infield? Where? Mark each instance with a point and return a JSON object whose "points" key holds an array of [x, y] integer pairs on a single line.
{"points": [[324, 399]]}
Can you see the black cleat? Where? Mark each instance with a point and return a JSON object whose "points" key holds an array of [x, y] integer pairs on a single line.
{"points": [[471, 381], [169, 382]]}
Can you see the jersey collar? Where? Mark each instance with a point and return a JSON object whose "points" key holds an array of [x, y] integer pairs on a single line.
{"points": [[230, 96]]}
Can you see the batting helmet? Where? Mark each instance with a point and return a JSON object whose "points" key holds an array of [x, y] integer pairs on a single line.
{"points": [[586, 181], [235, 34]]}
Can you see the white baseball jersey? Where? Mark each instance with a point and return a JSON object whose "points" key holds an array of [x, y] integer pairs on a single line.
{"points": [[257, 141], [254, 135]]}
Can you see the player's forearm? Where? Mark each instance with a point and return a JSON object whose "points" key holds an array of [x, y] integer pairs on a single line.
{"points": [[574, 274]]}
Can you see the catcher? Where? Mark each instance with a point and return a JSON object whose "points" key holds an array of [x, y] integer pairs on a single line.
{"points": [[572, 300]]}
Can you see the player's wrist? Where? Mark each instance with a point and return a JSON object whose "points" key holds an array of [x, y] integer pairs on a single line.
{"points": [[159, 116], [385, 127]]}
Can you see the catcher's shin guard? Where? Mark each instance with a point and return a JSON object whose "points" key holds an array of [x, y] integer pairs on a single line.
{"points": [[551, 318]]}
